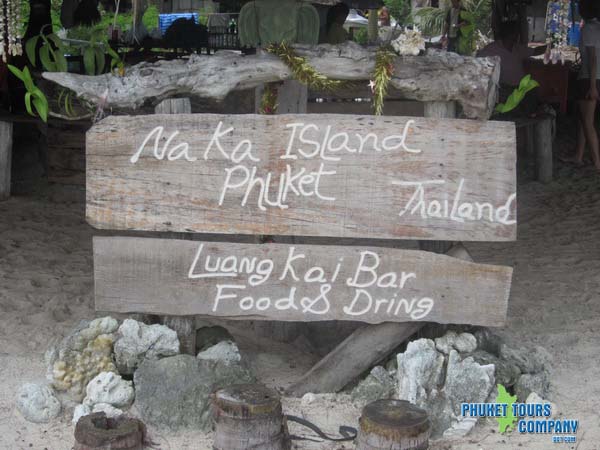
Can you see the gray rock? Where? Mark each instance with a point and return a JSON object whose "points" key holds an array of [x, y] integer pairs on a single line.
{"points": [[82, 355], [206, 337], [377, 385], [137, 341], [507, 373], [526, 359], [460, 428], [488, 340], [174, 392], [225, 351], [37, 403], [109, 387], [420, 369], [463, 342], [528, 383], [85, 409], [467, 381]]}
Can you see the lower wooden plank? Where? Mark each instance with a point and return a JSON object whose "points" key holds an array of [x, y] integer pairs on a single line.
{"points": [[295, 282]]}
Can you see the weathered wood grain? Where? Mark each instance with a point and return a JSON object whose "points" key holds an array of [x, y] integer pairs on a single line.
{"points": [[359, 195], [435, 76], [153, 276], [361, 350]]}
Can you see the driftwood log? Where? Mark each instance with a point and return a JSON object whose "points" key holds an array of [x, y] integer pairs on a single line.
{"points": [[249, 416], [436, 76], [393, 425], [362, 349]]}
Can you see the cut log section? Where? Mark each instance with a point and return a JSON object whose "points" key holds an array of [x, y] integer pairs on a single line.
{"points": [[359, 351], [249, 416], [393, 425], [97, 432], [436, 76]]}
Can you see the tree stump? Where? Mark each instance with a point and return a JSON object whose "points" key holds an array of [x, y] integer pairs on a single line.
{"points": [[97, 432], [249, 416], [393, 425]]}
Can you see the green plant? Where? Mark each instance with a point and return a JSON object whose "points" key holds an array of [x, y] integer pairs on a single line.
{"points": [[34, 96], [527, 84], [361, 36], [399, 10], [94, 58], [51, 52], [431, 21], [466, 38]]}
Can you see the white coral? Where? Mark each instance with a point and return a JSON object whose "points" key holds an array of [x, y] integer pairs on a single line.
{"points": [[410, 42]]}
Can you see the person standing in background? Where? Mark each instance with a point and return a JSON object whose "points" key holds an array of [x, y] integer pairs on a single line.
{"points": [[588, 84], [452, 27]]}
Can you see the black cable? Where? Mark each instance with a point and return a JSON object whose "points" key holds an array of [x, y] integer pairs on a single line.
{"points": [[348, 433]]}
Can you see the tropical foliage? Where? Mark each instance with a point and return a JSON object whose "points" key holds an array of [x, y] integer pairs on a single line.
{"points": [[33, 95], [431, 21]]}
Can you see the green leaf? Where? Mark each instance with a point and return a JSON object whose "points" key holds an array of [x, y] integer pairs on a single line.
{"points": [[100, 60], [48, 64], [30, 49], [89, 61], [28, 104], [57, 42], [61, 63], [27, 80], [41, 106], [527, 84], [17, 73]]}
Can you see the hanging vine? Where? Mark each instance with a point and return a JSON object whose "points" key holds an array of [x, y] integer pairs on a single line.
{"points": [[302, 70], [384, 69], [268, 102], [10, 19]]}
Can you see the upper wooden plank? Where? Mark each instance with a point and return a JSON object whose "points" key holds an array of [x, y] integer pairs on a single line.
{"points": [[312, 175]]}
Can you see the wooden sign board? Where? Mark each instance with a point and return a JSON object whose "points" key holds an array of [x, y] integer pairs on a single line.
{"points": [[304, 175], [295, 283]]}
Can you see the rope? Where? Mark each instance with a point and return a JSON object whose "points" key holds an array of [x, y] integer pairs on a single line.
{"points": [[347, 433]]}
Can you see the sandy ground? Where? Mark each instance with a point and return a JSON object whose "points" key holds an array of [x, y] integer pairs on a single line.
{"points": [[46, 288]]}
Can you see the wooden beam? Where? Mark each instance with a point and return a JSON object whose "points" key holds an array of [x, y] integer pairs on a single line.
{"points": [[6, 129], [361, 350], [304, 175], [303, 283], [435, 76]]}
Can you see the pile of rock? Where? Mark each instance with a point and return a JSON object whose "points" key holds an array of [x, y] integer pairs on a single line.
{"points": [[440, 374], [106, 367]]}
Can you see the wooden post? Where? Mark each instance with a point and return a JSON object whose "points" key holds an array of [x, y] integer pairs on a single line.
{"points": [[439, 110], [5, 158], [361, 350], [393, 425], [174, 106], [184, 326], [249, 416], [543, 149], [373, 26]]}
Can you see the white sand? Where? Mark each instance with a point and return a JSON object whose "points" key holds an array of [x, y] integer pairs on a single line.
{"points": [[46, 288]]}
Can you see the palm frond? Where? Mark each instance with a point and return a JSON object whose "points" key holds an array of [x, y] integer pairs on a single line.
{"points": [[430, 20]]}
